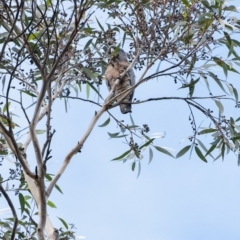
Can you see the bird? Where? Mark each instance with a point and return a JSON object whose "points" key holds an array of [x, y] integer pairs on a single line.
{"points": [[117, 65]]}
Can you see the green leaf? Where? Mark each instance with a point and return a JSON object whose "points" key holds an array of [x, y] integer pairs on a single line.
{"points": [[209, 130], [88, 90], [220, 106], [63, 222], [27, 197], [185, 2], [200, 155], [207, 83], [28, 93], [223, 150], [222, 64], [194, 58], [235, 92], [191, 84], [122, 156], [88, 43], [113, 135], [206, 4], [205, 19], [139, 168], [147, 143], [116, 135], [135, 127], [6, 106], [163, 150], [150, 155], [231, 8], [210, 150], [230, 88], [235, 138], [3, 152], [213, 76], [51, 204], [3, 82], [48, 177], [22, 202], [202, 145], [105, 123], [99, 24], [58, 188], [238, 119], [133, 166], [183, 151], [94, 89], [40, 131], [90, 74]]}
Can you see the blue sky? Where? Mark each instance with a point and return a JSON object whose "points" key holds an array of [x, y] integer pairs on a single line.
{"points": [[173, 199]]}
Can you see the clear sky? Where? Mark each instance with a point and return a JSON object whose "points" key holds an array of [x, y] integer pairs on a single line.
{"points": [[173, 199]]}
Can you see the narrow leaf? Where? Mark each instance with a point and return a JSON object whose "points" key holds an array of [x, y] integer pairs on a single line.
{"points": [[28, 93], [40, 131], [105, 123], [87, 44], [209, 130], [113, 135], [88, 90], [147, 143], [191, 84], [63, 222], [94, 89], [185, 2], [223, 150], [22, 202], [150, 155], [200, 155], [220, 106], [133, 166], [183, 151], [99, 24], [213, 76], [58, 188], [163, 150], [90, 74], [51, 204], [3, 82], [6, 106], [122, 156], [139, 168], [210, 150]]}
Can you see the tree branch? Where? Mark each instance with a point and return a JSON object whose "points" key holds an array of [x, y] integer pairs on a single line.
{"points": [[75, 149], [10, 204]]}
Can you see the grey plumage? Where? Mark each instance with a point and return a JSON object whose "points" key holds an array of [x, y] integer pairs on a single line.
{"points": [[117, 65]]}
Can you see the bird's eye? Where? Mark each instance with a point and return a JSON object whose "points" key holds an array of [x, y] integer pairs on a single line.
{"points": [[111, 50]]}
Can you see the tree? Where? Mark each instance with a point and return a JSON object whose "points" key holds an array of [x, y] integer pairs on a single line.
{"points": [[52, 50]]}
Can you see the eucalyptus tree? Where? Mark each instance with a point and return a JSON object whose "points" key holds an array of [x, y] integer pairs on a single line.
{"points": [[54, 50]]}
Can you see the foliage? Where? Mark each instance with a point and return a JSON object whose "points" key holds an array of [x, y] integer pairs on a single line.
{"points": [[55, 50]]}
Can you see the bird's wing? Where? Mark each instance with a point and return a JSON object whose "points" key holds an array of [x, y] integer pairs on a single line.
{"points": [[111, 74], [129, 76], [133, 80]]}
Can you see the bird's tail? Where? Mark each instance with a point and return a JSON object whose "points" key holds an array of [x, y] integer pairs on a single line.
{"points": [[126, 108]]}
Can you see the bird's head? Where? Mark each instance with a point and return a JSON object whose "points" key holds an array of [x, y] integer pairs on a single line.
{"points": [[116, 52]]}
